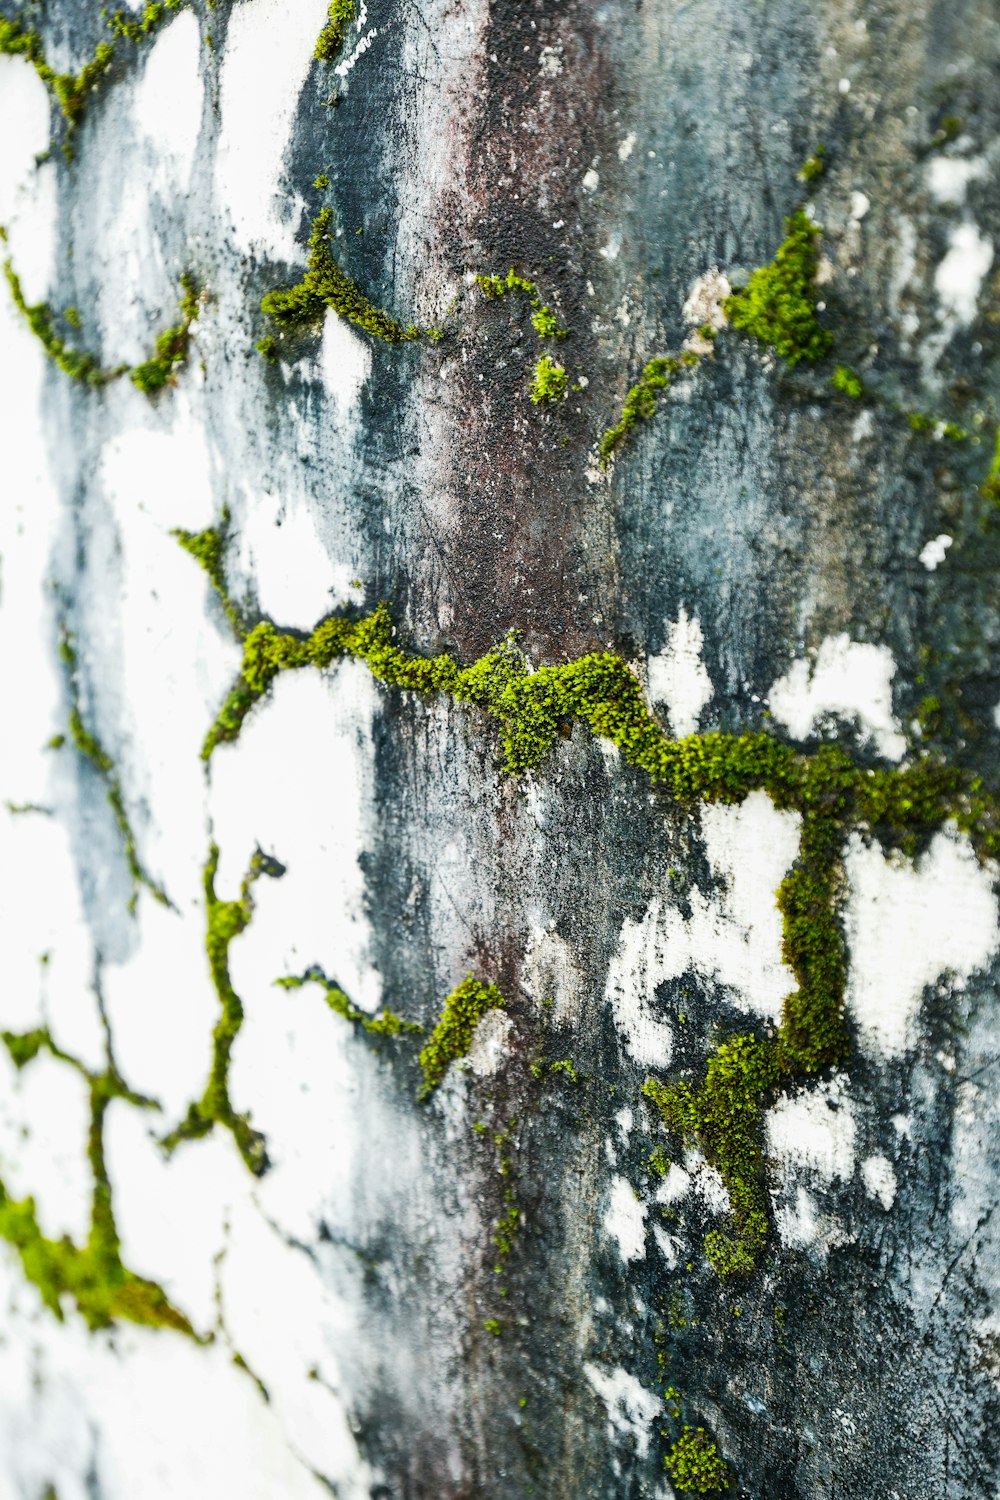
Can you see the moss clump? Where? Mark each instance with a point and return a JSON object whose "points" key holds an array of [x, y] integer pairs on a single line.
{"points": [[845, 380], [172, 346], [694, 1464], [548, 382], [778, 305], [93, 1275], [991, 484], [40, 318], [208, 547], [452, 1036], [135, 28], [224, 921], [69, 90], [640, 403], [299, 307], [386, 1023], [331, 38], [544, 320], [814, 166]]}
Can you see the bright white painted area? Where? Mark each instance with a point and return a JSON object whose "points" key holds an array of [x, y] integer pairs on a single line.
{"points": [[169, 95], [815, 1129], [625, 1220], [879, 1179], [849, 680], [959, 278], [733, 937], [346, 361], [268, 56], [296, 581], [298, 784], [933, 553], [948, 177], [631, 1408], [910, 924], [678, 677], [44, 1119]]}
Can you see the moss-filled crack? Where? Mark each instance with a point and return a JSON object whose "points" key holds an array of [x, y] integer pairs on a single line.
{"points": [[171, 350], [224, 921], [92, 1275], [385, 1023]]}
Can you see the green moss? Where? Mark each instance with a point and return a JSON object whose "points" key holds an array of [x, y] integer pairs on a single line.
{"points": [[694, 1464], [778, 306], [322, 182], [208, 547], [814, 166], [493, 1326], [302, 306], [224, 921], [331, 38], [69, 90], [991, 484], [845, 380], [172, 346], [93, 1275], [386, 1023], [549, 381], [452, 1036], [640, 403], [135, 28]]}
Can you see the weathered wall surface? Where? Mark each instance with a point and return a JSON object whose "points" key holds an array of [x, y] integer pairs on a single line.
{"points": [[239, 1257]]}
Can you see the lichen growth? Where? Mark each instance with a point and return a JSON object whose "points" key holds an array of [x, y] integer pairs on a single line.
{"points": [[452, 1036], [778, 305], [694, 1464], [385, 1023], [294, 309], [549, 381], [331, 38], [224, 921], [93, 1275]]}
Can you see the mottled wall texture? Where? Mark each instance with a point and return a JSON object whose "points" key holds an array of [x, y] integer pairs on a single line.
{"points": [[500, 713]]}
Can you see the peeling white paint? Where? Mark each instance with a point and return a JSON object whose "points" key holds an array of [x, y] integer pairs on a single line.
{"points": [[678, 677], [625, 1220], [169, 95], [948, 177], [960, 275], [631, 1408], [910, 924], [346, 361], [849, 680], [879, 1179], [815, 1129]]}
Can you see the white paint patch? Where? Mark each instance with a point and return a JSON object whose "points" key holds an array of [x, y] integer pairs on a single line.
{"points": [[269, 48], [678, 677], [933, 552], [590, 180], [908, 924], [627, 146], [631, 1408], [948, 177], [625, 1220], [734, 937], [295, 580], [879, 1180], [281, 787], [959, 278], [346, 360], [850, 680], [675, 1185], [814, 1129], [490, 1045], [25, 123], [44, 1121], [169, 95]]}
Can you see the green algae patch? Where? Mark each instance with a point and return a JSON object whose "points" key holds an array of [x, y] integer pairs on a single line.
{"points": [[224, 921], [172, 346], [452, 1036], [778, 305], [294, 309], [331, 38], [548, 382], [640, 402], [92, 1275], [385, 1023], [695, 1466]]}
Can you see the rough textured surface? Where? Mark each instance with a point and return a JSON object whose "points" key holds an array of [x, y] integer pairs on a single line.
{"points": [[501, 1290]]}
